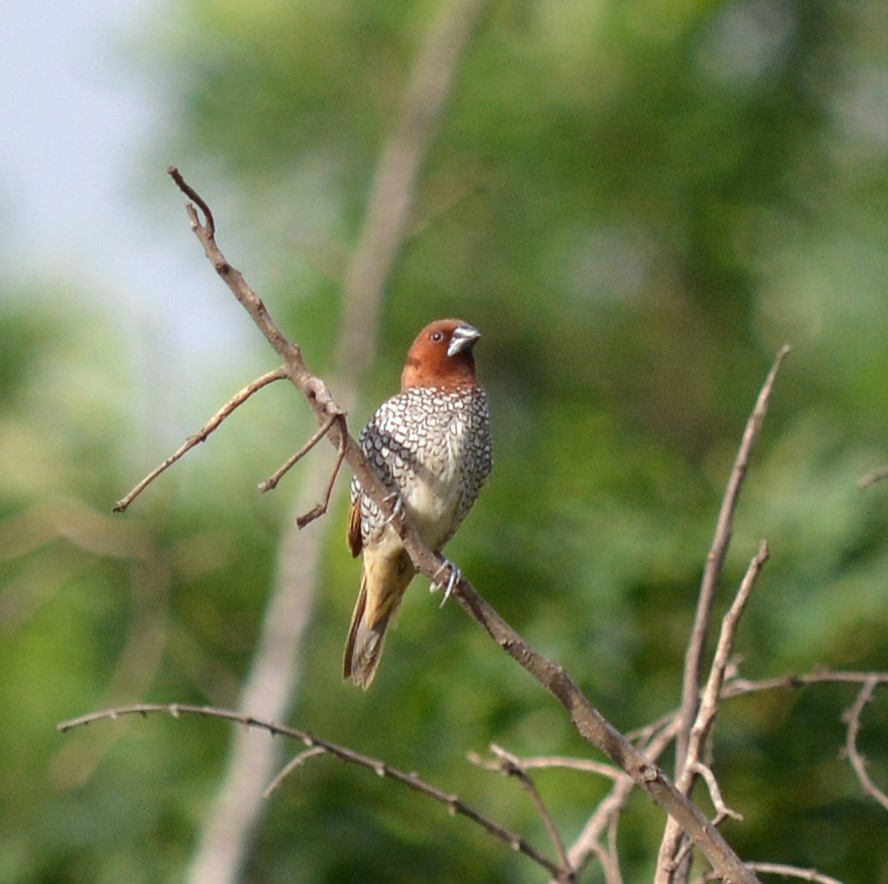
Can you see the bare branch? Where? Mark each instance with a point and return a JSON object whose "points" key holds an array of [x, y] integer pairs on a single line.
{"points": [[858, 762], [671, 854], [585, 717], [793, 872], [740, 686], [272, 481], [195, 197], [390, 209], [298, 761], [590, 723], [545, 762], [725, 646], [599, 825], [511, 766], [693, 665], [321, 508], [201, 436], [715, 562], [722, 811], [654, 740], [873, 476], [453, 804], [610, 861]]}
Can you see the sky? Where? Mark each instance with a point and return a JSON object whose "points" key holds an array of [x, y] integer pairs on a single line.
{"points": [[76, 116]]}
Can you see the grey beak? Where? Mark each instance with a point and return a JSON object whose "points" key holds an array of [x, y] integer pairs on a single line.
{"points": [[463, 338]]}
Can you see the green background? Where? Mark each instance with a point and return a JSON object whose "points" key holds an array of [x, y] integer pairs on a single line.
{"points": [[636, 202]]}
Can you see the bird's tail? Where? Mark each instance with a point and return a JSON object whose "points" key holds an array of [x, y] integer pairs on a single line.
{"points": [[378, 600]]}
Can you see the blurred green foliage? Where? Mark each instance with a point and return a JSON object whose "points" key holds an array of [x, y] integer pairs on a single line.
{"points": [[637, 202]]}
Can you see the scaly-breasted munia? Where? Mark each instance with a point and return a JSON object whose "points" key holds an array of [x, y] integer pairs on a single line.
{"points": [[430, 445]]}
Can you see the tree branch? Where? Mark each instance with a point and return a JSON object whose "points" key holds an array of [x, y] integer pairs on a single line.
{"points": [[786, 871], [873, 476], [511, 766], [316, 746], [201, 435], [737, 687], [270, 682], [655, 739], [590, 723], [715, 560], [585, 717], [858, 762], [272, 481], [670, 854]]}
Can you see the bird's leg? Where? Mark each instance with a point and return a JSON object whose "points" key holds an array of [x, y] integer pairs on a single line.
{"points": [[438, 581]]}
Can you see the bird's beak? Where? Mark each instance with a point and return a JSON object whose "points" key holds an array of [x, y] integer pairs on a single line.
{"points": [[463, 338]]}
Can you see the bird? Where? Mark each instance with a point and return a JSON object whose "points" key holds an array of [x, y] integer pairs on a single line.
{"points": [[430, 446]]}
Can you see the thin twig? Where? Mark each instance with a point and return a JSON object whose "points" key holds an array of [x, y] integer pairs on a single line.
{"points": [[739, 687], [547, 762], [454, 804], [722, 811], [709, 702], [858, 762], [674, 846], [512, 766], [210, 222], [544, 762], [588, 842], [785, 871], [611, 866], [295, 762], [236, 401], [272, 481], [321, 508], [715, 562], [715, 559], [793, 872], [585, 717], [873, 476]]}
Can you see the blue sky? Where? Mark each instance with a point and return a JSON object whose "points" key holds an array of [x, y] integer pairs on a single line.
{"points": [[76, 116]]}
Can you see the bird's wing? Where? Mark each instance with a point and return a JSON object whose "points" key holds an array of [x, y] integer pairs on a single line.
{"points": [[355, 543]]}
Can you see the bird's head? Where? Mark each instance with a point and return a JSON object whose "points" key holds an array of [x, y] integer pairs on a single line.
{"points": [[441, 356]]}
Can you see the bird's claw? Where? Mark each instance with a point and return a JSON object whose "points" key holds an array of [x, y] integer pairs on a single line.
{"points": [[397, 507], [454, 577]]}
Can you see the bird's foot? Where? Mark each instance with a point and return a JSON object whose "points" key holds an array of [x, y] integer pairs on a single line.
{"points": [[397, 507], [440, 582]]}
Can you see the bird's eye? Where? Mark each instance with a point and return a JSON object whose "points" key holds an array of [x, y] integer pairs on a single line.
{"points": [[437, 337]]}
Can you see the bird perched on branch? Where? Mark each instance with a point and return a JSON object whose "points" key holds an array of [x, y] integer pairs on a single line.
{"points": [[430, 445]]}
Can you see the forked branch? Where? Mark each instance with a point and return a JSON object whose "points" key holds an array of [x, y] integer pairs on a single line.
{"points": [[583, 714], [715, 560], [858, 762], [672, 855], [201, 435], [316, 746]]}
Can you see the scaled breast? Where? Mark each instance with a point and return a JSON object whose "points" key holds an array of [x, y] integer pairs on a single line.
{"points": [[433, 447]]}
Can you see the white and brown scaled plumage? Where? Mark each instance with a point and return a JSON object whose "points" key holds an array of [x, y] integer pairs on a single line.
{"points": [[430, 445]]}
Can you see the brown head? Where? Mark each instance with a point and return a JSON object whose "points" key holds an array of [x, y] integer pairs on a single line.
{"points": [[441, 356]]}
